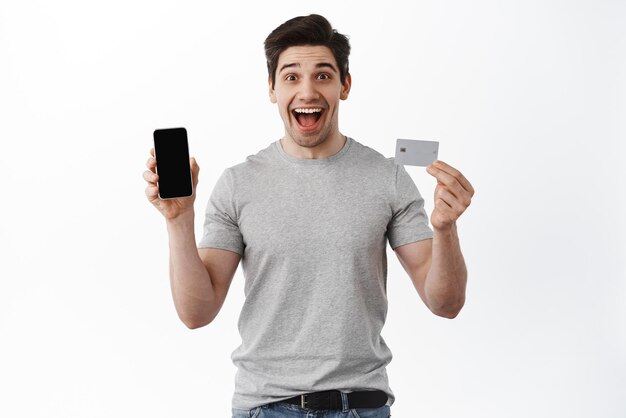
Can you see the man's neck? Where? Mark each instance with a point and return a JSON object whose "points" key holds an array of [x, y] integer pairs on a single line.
{"points": [[329, 147]]}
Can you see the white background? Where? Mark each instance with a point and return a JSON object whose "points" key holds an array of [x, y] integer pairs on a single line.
{"points": [[527, 99]]}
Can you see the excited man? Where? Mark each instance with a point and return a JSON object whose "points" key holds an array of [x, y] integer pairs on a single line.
{"points": [[309, 217]]}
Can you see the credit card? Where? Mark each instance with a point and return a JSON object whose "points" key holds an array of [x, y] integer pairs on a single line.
{"points": [[416, 152]]}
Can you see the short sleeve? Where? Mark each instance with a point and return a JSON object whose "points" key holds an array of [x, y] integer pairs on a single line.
{"points": [[221, 229], [409, 222]]}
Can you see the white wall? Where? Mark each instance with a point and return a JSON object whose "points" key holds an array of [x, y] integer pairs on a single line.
{"points": [[527, 99]]}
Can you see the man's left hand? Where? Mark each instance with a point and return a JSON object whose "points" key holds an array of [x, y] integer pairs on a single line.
{"points": [[453, 195]]}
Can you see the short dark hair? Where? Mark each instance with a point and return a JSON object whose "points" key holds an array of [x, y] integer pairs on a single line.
{"points": [[307, 30]]}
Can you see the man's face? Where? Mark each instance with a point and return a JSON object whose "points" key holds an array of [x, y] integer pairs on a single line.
{"points": [[307, 90]]}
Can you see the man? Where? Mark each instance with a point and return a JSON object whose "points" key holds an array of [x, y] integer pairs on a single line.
{"points": [[309, 217]]}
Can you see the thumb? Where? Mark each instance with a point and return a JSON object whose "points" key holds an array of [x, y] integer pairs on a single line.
{"points": [[195, 169]]}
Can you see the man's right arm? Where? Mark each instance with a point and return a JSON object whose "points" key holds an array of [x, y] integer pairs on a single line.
{"points": [[199, 278]]}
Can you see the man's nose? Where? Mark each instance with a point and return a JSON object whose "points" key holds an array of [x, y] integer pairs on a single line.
{"points": [[308, 91]]}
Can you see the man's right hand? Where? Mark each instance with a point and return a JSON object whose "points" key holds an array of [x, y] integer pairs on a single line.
{"points": [[170, 208]]}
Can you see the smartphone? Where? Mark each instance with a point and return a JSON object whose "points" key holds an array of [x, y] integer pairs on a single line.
{"points": [[171, 151]]}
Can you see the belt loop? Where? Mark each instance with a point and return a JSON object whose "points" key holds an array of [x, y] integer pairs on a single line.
{"points": [[344, 402]]}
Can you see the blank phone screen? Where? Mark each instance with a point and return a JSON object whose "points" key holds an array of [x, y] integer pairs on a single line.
{"points": [[172, 157]]}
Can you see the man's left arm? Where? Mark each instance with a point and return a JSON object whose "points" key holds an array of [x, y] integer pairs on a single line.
{"points": [[437, 267]]}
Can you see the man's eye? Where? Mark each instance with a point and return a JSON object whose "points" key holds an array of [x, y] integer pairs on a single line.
{"points": [[323, 76], [290, 77]]}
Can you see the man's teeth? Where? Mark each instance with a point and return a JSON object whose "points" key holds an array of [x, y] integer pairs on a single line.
{"points": [[317, 110]]}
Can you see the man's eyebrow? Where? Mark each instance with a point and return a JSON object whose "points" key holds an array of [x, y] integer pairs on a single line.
{"points": [[326, 65], [318, 65], [288, 66]]}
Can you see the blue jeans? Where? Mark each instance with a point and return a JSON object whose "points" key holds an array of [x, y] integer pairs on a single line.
{"points": [[286, 410]]}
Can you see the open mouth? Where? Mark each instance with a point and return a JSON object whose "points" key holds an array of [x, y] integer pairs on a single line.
{"points": [[307, 118]]}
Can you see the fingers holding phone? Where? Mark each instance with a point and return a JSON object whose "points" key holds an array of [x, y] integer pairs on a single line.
{"points": [[151, 177]]}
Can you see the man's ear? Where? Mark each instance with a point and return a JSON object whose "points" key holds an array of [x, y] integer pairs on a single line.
{"points": [[345, 89], [271, 91]]}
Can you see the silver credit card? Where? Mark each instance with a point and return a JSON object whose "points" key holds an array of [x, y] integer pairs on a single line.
{"points": [[416, 152]]}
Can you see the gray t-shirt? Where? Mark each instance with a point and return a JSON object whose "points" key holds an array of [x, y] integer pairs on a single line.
{"points": [[312, 234]]}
